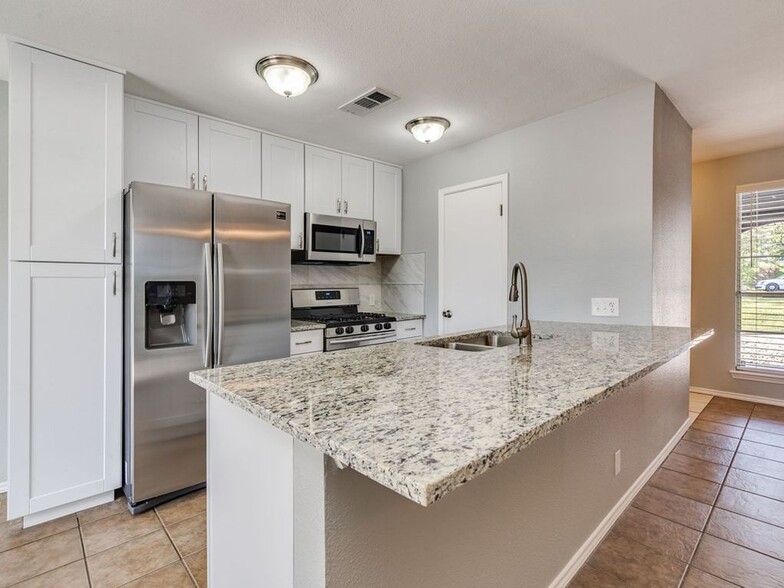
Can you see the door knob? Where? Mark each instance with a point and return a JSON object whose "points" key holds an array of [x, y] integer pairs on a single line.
{"points": [[447, 314]]}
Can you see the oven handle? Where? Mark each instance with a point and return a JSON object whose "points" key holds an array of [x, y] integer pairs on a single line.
{"points": [[361, 241], [382, 337]]}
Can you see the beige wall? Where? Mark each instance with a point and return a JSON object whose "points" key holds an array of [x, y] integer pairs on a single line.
{"points": [[713, 265]]}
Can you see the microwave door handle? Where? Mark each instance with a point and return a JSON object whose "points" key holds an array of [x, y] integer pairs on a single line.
{"points": [[208, 304], [361, 241]]}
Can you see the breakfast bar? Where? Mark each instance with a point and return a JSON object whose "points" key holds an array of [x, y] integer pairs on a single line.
{"points": [[328, 467]]}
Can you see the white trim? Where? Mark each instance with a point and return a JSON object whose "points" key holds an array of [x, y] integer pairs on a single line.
{"points": [[586, 549], [262, 131], [767, 376], [66, 54], [56, 512], [502, 179], [739, 396]]}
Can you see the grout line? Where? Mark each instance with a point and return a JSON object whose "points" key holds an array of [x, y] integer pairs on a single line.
{"points": [[84, 551], [177, 549]]}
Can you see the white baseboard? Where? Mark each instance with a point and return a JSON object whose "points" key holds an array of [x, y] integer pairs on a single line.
{"points": [[738, 396], [586, 549], [3, 487]]}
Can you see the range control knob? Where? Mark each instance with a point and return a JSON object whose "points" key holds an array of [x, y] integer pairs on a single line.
{"points": [[387, 326], [364, 328], [349, 330], [339, 331], [379, 326]]}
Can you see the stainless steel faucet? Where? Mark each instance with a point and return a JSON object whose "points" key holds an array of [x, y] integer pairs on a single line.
{"points": [[523, 329]]}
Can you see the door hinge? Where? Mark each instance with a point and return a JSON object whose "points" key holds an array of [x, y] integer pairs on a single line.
{"points": [[501, 209]]}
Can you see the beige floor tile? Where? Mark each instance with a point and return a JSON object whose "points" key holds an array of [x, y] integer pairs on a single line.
{"points": [[698, 579], [110, 531], [3, 507], [172, 576], [183, 507], [38, 557], [756, 484], [589, 577], [695, 467], [103, 510], [74, 575], [756, 535], [13, 535], [737, 564], [751, 505], [635, 564], [661, 535], [129, 561], [197, 564], [704, 452], [671, 506], [190, 535]]}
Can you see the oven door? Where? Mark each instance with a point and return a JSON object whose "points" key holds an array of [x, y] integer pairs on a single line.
{"points": [[339, 239], [337, 343]]}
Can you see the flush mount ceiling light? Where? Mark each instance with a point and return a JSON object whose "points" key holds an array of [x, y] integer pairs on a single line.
{"points": [[427, 129], [286, 75]]}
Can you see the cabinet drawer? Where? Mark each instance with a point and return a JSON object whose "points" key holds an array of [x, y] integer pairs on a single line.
{"points": [[307, 342], [409, 329]]}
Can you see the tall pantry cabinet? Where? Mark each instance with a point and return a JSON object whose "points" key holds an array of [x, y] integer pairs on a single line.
{"points": [[65, 284]]}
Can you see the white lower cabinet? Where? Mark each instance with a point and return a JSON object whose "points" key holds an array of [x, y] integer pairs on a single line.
{"points": [[409, 329], [307, 342], [65, 387]]}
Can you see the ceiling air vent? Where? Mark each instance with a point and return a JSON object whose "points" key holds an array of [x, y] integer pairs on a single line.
{"points": [[369, 101]]}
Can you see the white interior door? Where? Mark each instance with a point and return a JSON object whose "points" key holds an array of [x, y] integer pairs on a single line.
{"points": [[472, 258]]}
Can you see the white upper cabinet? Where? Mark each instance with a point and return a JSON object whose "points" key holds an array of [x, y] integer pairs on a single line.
{"points": [[229, 158], [65, 160], [65, 376], [323, 181], [283, 180], [357, 187], [388, 208], [161, 144], [336, 184]]}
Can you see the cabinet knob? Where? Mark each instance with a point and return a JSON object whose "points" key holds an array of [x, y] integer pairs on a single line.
{"points": [[193, 181], [447, 314], [338, 205], [345, 207], [204, 182], [299, 241]]}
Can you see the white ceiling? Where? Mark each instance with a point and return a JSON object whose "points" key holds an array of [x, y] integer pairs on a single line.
{"points": [[487, 66]]}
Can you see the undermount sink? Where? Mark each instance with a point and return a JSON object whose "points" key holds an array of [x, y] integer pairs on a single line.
{"points": [[485, 341]]}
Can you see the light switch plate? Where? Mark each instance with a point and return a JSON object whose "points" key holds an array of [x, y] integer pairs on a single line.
{"points": [[605, 307], [617, 462]]}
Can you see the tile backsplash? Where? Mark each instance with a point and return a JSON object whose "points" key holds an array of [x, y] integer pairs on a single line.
{"points": [[392, 284]]}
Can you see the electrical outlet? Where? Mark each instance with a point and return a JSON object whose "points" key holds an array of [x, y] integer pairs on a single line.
{"points": [[617, 462], [372, 299], [605, 307]]}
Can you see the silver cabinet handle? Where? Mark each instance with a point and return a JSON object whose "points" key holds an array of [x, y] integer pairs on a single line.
{"points": [[114, 283], [193, 181], [204, 181], [447, 314], [208, 314], [378, 245], [338, 205], [114, 244], [299, 241], [303, 342], [345, 207], [410, 329], [221, 305]]}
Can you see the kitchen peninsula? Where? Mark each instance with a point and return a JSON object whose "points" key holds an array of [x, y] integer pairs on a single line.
{"points": [[353, 468]]}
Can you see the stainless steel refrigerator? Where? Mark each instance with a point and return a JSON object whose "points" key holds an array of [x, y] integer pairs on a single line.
{"points": [[207, 283]]}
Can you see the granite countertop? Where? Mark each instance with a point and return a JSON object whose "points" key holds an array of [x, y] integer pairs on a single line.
{"points": [[402, 316], [305, 326], [423, 420]]}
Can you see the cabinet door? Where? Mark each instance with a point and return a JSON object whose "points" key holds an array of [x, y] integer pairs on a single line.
{"points": [[65, 159], [357, 187], [283, 180], [161, 144], [388, 207], [65, 376], [322, 181], [229, 158]]}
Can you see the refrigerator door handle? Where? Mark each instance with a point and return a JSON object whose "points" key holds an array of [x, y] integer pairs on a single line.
{"points": [[209, 305], [220, 306]]}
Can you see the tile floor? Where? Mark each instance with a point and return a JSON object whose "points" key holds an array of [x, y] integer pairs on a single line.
{"points": [[711, 516], [106, 546]]}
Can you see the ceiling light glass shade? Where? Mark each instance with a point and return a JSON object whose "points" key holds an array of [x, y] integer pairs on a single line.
{"points": [[287, 75], [428, 129]]}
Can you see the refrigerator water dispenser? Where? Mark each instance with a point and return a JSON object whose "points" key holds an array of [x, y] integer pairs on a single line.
{"points": [[170, 314]]}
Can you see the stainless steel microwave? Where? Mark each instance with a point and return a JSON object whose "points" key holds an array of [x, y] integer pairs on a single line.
{"points": [[338, 239]]}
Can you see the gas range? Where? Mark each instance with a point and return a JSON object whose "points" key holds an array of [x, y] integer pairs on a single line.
{"points": [[346, 327]]}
